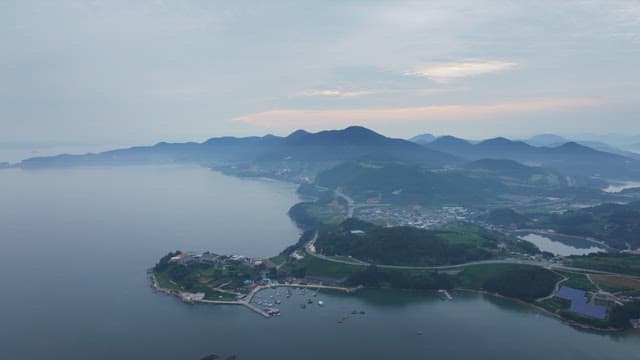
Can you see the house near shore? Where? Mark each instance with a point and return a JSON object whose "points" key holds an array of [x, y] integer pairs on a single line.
{"points": [[191, 297], [179, 257], [323, 280]]}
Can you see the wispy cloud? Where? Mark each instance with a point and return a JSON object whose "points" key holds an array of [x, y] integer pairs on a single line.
{"points": [[337, 93], [356, 93], [288, 118], [453, 70]]}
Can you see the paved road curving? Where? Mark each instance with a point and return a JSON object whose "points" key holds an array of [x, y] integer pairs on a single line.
{"points": [[310, 249]]}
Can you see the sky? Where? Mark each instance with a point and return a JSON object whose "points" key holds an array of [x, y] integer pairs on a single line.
{"points": [[138, 72]]}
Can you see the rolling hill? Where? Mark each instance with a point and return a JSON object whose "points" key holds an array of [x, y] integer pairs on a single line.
{"points": [[300, 146], [617, 225], [570, 158], [405, 184], [302, 155], [515, 172]]}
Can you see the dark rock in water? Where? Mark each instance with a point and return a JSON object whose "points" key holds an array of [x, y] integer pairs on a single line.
{"points": [[214, 356], [210, 357]]}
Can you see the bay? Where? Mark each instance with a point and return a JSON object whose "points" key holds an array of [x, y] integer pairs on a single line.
{"points": [[76, 244]]}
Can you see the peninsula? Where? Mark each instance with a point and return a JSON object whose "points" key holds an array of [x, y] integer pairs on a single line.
{"points": [[356, 254]]}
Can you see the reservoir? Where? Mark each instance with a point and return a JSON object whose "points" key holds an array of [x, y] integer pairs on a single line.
{"points": [[76, 244], [561, 244], [621, 186]]}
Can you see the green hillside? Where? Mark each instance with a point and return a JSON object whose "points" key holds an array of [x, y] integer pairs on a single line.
{"points": [[404, 184], [615, 224], [408, 246]]}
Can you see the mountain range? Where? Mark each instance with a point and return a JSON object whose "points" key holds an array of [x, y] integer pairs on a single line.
{"points": [[324, 149], [569, 158], [552, 140]]}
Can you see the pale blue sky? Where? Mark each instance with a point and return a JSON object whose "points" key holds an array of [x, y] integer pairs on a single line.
{"points": [[124, 72]]}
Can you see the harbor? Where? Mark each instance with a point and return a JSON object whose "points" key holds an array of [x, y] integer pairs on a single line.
{"points": [[262, 308]]}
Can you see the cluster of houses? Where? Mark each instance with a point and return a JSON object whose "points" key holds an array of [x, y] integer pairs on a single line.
{"points": [[190, 258], [414, 216]]}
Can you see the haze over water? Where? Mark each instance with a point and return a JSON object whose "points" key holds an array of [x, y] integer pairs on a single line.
{"points": [[76, 244]]}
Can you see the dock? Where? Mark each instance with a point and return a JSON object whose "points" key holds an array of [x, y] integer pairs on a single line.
{"points": [[445, 294], [248, 305], [246, 300], [257, 289], [256, 309]]}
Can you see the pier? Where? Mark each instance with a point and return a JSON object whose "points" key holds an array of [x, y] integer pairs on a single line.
{"points": [[246, 300], [255, 309], [246, 304], [445, 294], [257, 289]]}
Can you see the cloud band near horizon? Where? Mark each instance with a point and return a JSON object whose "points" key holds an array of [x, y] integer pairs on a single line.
{"points": [[288, 118]]}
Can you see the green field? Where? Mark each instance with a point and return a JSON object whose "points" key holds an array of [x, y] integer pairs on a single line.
{"points": [[165, 283], [554, 305], [577, 281], [474, 277], [312, 214], [523, 282], [317, 267], [628, 264]]}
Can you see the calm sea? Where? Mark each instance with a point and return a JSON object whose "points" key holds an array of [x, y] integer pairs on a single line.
{"points": [[76, 243]]}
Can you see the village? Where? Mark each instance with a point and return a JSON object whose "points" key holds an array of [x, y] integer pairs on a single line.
{"points": [[240, 281], [416, 216]]}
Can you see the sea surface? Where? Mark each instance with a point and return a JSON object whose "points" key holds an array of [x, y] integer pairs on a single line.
{"points": [[76, 243]]}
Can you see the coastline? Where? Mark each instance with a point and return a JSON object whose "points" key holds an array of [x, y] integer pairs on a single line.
{"points": [[544, 311], [293, 184], [246, 299]]}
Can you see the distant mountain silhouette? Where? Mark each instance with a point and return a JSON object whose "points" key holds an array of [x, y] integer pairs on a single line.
{"points": [[618, 140], [491, 148], [551, 140], [325, 146], [350, 143], [570, 158], [423, 139], [451, 144], [545, 140], [608, 148], [318, 151]]}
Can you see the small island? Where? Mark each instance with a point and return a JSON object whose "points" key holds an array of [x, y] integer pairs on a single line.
{"points": [[585, 291]]}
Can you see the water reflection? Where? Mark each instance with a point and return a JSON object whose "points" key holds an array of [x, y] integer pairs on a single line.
{"points": [[621, 186], [561, 245]]}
